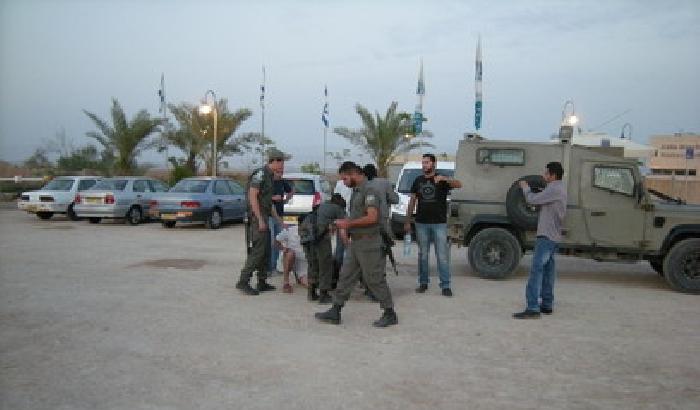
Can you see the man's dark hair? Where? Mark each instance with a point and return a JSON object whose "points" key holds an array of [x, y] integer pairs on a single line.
{"points": [[349, 166], [431, 157], [370, 171], [555, 168], [338, 200]]}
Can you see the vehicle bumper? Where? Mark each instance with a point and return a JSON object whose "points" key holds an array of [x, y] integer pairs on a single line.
{"points": [[100, 211], [180, 215], [34, 207]]}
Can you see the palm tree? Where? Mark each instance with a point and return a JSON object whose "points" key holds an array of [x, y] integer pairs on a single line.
{"points": [[195, 133], [383, 138], [125, 138]]}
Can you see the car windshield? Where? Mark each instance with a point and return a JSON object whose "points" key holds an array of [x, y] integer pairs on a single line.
{"points": [[410, 175], [110, 184], [194, 186], [302, 186], [58, 185]]}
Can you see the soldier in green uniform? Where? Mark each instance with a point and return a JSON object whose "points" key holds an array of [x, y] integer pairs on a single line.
{"points": [[366, 257], [259, 210], [326, 214]]}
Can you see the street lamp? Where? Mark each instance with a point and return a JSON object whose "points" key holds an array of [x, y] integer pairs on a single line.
{"points": [[627, 127], [570, 119], [206, 109]]}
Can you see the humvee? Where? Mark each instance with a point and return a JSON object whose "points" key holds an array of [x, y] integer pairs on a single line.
{"points": [[611, 216]]}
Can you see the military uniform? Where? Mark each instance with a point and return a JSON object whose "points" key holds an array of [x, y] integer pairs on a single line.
{"points": [[258, 242], [365, 257], [327, 213]]}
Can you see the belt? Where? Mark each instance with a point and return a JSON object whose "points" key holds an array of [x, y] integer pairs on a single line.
{"points": [[364, 235]]}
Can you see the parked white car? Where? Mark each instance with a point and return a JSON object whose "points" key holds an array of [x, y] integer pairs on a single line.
{"points": [[56, 197], [309, 190], [409, 172]]}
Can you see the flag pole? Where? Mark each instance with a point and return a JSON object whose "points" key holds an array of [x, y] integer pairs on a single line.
{"points": [[163, 107], [478, 92], [324, 118], [262, 132]]}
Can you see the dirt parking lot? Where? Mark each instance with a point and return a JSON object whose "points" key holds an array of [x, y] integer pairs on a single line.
{"points": [[112, 316]]}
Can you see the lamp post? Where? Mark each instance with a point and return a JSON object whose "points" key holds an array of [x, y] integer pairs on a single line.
{"points": [[566, 129], [627, 127], [205, 109]]}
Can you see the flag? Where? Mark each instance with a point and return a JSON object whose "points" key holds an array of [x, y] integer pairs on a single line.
{"points": [[161, 93], [420, 90], [262, 90], [420, 93], [324, 115], [478, 100]]}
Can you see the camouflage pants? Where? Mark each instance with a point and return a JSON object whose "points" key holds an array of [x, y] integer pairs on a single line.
{"points": [[366, 260], [326, 266], [259, 256], [312, 259]]}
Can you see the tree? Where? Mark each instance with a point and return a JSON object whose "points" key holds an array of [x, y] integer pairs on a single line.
{"points": [[39, 161], [195, 134], [123, 138], [311, 168], [383, 138], [86, 157]]}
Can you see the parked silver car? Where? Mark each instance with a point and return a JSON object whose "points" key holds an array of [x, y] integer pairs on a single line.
{"points": [[309, 190], [119, 197], [201, 199], [56, 197]]}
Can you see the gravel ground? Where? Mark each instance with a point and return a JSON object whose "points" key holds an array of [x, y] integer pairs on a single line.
{"points": [[112, 316]]}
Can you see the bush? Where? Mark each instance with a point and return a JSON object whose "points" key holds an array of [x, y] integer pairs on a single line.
{"points": [[179, 172]]}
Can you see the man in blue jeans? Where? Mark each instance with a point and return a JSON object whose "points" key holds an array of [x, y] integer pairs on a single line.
{"points": [[430, 190], [552, 202]]}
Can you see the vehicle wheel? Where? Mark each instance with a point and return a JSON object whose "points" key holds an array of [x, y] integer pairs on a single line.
{"points": [[44, 215], [168, 224], [522, 215], [214, 220], [70, 213], [134, 215], [494, 253], [94, 220], [682, 266], [658, 265]]}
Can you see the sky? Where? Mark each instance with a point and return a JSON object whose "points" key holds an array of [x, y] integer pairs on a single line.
{"points": [[619, 61]]}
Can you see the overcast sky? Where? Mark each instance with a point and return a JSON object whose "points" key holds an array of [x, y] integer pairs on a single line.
{"points": [[59, 57]]}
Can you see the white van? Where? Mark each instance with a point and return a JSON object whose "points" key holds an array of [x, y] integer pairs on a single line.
{"points": [[409, 172]]}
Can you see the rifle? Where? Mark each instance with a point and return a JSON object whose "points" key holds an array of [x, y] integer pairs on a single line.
{"points": [[387, 244]]}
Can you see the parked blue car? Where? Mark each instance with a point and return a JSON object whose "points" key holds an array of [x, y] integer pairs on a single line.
{"points": [[211, 200]]}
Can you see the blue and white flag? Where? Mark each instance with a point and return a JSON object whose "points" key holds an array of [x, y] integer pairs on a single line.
{"points": [[420, 93], [262, 90], [478, 100], [161, 93], [324, 115]]}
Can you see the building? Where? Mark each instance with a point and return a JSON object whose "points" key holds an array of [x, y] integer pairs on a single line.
{"points": [[671, 172]]}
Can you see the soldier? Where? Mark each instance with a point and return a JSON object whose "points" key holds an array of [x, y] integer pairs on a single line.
{"points": [[326, 213], [259, 211], [365, 254]]}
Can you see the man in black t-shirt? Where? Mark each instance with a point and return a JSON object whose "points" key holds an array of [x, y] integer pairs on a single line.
{"points": [[430, 190]]}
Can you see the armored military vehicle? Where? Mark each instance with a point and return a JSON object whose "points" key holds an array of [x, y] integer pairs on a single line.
{"points": [[611, 216]]}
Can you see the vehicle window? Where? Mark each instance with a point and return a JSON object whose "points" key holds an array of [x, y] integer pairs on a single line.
{"points": [[236, 188], [157, 186], [614, 179], [222, 188], [86, 184], [325, 187], [302, 186], [500, 156], [111, 184], [140, 185], [59, 185], [194, 186], [410, 175]]}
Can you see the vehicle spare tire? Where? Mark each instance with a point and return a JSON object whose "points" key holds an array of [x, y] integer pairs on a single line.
{"points": [[521, 214]]}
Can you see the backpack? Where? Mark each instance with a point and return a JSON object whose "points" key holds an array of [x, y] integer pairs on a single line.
{"points": [[308, 228]]}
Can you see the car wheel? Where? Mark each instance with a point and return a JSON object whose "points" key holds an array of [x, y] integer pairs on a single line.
{"points": [[70, 213], [522, 214], [658, 265], [94, 220], [134, 215], [682, 266], [44, 215], [214, 220], [494, 253], [168, 224]]}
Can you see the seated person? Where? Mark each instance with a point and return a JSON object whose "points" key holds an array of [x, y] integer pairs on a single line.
{"points": [[293, 258]]}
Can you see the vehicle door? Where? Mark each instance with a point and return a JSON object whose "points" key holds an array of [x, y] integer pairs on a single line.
{"points": [[239, 204], [141, 193], [223, 198], [613, 216]]}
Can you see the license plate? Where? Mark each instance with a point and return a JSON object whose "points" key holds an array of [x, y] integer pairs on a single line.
{"points": [[290, 219], [168, 217], [92, 200], [31, 208]]}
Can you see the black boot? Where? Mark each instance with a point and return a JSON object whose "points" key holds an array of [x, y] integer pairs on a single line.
{"points": [[264, 286], [388, 318], [331, 316], [312, 296], [244, 287], [324, 298]]}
